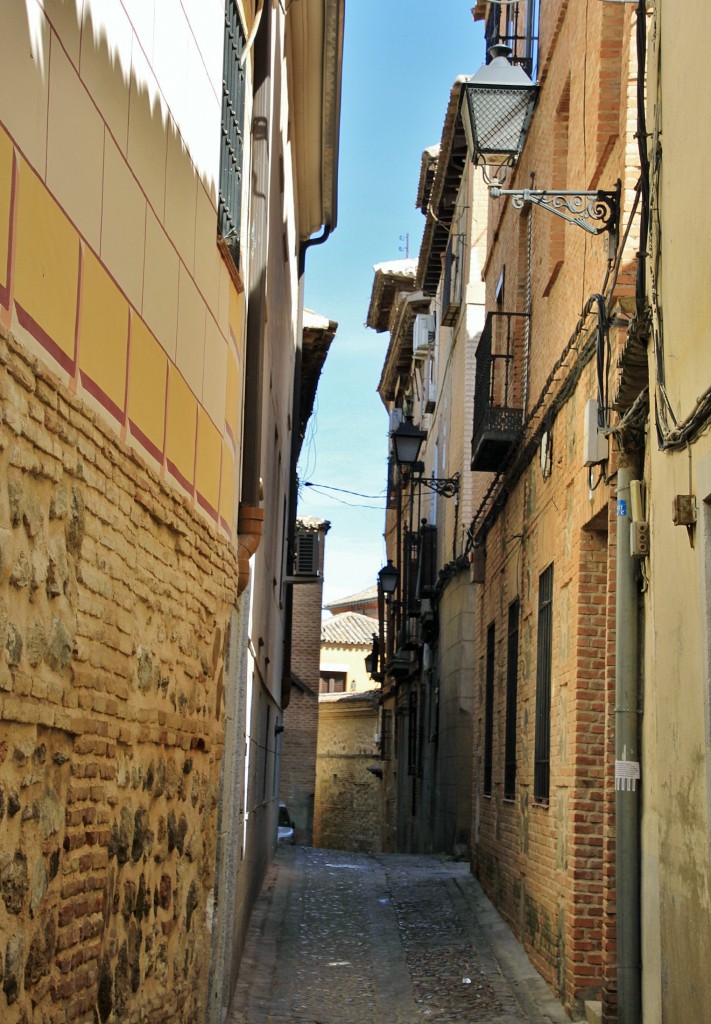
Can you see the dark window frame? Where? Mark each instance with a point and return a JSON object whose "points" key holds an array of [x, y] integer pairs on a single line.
{"points": [[333, 682], [511, 701], [544, 670], [489, 709]]}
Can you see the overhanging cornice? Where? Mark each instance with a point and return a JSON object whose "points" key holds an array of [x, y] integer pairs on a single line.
{"points": [[314, 31], [438, 200]]}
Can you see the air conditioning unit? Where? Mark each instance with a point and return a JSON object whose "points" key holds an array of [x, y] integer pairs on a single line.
{"points": [[423, 335], [306, 554], [396, 418]]}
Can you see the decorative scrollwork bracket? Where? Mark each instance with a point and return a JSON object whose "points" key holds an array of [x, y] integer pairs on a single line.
{"points": [[447, 487], [594, 212]]}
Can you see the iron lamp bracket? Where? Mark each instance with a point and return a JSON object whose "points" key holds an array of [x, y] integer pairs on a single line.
{"points": [[446, 487], [595, 212]]}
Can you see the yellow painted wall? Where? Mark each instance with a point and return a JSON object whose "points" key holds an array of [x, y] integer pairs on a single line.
{"points": [[676, 865], [109, 267], [352, 659]]}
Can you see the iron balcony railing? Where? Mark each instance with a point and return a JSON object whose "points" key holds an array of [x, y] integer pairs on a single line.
{"points": [[516, 25], [498, 412]]}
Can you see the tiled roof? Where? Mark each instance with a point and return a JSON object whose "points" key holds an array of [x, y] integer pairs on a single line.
{"points": [[349, 629], [361, 697], [361, 597]]}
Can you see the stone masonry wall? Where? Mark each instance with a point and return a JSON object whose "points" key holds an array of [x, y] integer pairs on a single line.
{"points": [[113, 608], [347, 811]]}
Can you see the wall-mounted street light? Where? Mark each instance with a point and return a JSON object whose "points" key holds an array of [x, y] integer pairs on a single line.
{"points": [[496, 108], [388, 577], [407, 440], [371, 660]]}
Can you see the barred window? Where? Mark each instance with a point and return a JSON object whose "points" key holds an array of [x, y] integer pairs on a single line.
{"points": [[232, 143], [511, 702], [489, 708], [544, 664]]}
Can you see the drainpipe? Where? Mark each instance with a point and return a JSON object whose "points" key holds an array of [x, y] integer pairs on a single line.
{"points": [[627, 757]]}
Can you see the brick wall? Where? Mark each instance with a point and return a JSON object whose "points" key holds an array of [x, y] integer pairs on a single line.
{"points": [[549, 864], [114, 600], [298, 762]]}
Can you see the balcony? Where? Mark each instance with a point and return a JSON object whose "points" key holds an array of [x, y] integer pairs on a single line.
{"points": [[516, 25], [498, 412]]}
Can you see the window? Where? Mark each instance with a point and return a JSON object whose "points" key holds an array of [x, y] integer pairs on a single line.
{"points": [[232, 143], [332, 682], [386, 735], [557, 228], [511, 703], [489, 708], [541, 771], [453, 277], [412, 734]]}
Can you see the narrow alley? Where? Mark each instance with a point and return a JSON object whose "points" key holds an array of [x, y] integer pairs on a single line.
{"points": [[385, 939]]}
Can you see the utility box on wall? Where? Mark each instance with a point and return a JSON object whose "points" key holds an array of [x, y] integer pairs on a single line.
{"points": [[595, 447]]}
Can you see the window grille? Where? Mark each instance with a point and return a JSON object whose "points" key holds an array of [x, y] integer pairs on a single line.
{"points": [[511, 702], [427, 570], [489, 708], [386, 735], [516, 25], [232, 142], [541, 771]]}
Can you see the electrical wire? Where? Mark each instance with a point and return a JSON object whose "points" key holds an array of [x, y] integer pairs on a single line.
{"points": [[342, 490]]}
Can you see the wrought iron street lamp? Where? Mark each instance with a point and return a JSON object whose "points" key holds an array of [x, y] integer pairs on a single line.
{"points": [[496, 108], [371, 660], [388, 577], [407, 440]]}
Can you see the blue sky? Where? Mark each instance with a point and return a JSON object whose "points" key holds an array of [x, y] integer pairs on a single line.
{"points": [[400, 60]]}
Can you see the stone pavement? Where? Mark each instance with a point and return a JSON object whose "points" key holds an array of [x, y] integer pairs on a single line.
{"points": [[344, 938]]}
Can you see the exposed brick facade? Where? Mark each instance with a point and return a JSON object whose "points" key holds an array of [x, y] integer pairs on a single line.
{"points": [[114, 598], [547, 858], [298, 759]]}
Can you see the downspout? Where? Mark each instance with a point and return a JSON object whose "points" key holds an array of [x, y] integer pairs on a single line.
{"points": [[627, 731], [251, 515], [318, 240], [627, 757]]}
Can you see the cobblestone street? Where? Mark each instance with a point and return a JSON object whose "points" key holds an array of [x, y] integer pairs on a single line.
{"points": [[386, 939]]}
